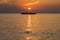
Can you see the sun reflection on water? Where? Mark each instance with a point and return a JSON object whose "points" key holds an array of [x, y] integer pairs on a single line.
{"points": [[29, 26]]}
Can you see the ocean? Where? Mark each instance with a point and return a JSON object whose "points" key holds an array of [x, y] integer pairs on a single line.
{"points": [[30, 27]]}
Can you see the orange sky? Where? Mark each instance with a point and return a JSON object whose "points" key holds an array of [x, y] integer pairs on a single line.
{"points": [[34, 4], [38, 3], [31, 2]]}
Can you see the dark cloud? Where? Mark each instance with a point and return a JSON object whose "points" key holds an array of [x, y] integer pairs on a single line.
{"points": [[5, 8]]}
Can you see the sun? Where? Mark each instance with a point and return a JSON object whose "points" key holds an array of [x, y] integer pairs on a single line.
{"points": [[29, 8]]}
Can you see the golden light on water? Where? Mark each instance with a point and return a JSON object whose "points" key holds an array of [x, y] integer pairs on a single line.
{"points": [[29, 37], [29, 21], [29, 26], [28, 30]]}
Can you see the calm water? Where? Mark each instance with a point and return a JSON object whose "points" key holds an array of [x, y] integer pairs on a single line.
{"points": [[43, 27]]}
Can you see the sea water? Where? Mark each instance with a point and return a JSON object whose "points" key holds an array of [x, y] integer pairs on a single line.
{"points": [[43, 27]]}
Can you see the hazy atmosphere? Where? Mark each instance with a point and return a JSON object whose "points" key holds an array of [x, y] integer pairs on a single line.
{"points": [[35, 5], [29, 19]]}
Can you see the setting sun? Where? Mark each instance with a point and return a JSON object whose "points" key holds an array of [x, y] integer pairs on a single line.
{"points": [[29, 8]]}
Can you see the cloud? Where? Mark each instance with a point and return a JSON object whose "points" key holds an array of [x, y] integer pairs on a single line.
{"points": [[33, 3], [5, 8]]}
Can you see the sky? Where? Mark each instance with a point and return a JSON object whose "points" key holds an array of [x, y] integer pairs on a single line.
{"points": [[35, 5]]}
